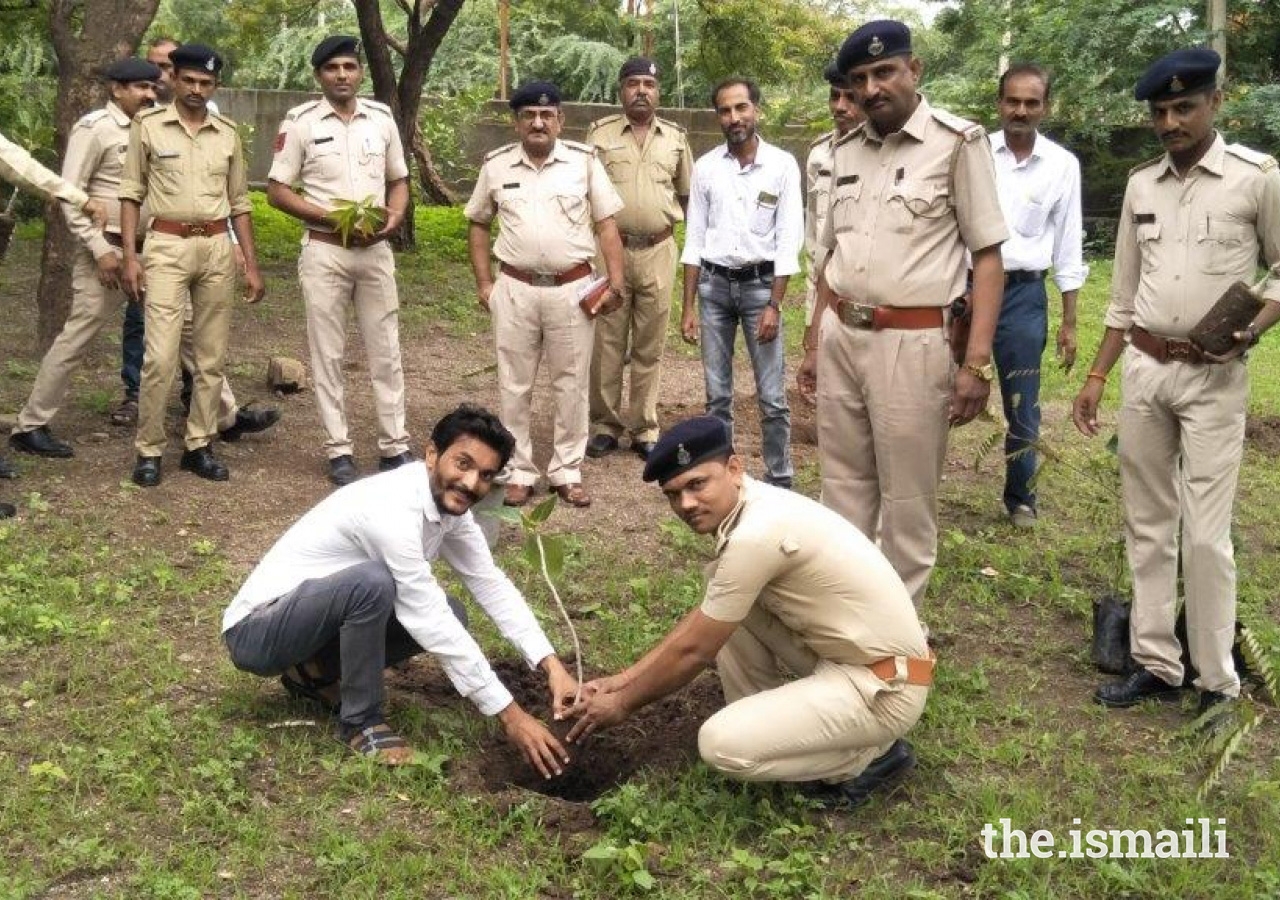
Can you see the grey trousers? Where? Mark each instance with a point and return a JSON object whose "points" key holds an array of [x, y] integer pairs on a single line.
{"points": [[343, 622]]}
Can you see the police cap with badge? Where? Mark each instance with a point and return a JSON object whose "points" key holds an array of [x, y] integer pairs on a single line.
{"points": [[1179, 73], [196, 56], [335, 45], [535, 93], [687, 444], [638, 66], [873, 42], [126, 71]]}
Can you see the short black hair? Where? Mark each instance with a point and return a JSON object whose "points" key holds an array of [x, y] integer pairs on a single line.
{"points": [[753, 89], [1026, 68], [470, 420]]}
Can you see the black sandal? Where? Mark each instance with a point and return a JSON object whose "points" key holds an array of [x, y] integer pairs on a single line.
{"points": [[303, 686]]}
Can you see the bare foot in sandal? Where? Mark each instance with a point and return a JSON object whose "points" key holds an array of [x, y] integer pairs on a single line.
{"points": [[306, 681], [382, 745]]}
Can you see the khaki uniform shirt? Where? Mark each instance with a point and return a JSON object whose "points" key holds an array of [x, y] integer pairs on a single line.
{"points": [[1183, 241], [95, 162], [546, 214], [816, 573], [20, 169], [183, 177], [651, 178], [817, 191], [900, 223], [337, 161]]}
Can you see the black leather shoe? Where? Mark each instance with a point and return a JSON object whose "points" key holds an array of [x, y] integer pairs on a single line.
{"points": [[883, 771], [6, 469], [643, 448], [1139, 686], [387, 463], [342, 470], [146, 471], [250, 421], [8, 510], [1210, 699], [202, 462], [601, 445], [40, 442], [1220, 710]]}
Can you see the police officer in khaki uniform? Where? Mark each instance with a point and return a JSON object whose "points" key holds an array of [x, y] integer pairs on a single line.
{"points": [[913, 190], [822, 658], [553, 201], [649, 161], [19, 168], [846, 116], [188, 166], [1194, 221], [343, 149]]}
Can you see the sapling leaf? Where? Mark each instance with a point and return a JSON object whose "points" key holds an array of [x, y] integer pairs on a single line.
{"points": [[554, 547], [543, 510]]}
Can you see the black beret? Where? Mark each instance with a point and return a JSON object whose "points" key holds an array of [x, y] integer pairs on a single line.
{"points": [[835, 76], [1180, 72], [335, 45], [196, 56], [875, 40], [131, 69], [638, 65], [535, 93], [689, 443]]}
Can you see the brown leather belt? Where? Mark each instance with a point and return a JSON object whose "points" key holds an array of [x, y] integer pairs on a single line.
{"points": [[547, 279], [879, 318], [645, 241], [919, 671], [1165, 349], [116, 241], [190, 229]]}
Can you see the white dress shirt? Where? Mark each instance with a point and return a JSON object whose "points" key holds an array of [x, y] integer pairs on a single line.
{"points": [[739, 216], [392, 517], [1040, 197]]}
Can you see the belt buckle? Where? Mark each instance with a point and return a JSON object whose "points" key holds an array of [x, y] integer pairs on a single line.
{"points": [[197, 229], [635, 241], [856, 315], [542, 279], [1177, 350]]}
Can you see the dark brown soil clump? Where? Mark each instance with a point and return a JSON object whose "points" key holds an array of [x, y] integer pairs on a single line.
{"points": [[1263, 432], [662, 736]]}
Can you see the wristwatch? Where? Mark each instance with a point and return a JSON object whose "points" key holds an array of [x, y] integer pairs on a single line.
{"points": [[985, 372], [774, 304]]}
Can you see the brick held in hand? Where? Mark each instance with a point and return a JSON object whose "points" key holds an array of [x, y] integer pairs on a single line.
{"points": [[1233, 312]]}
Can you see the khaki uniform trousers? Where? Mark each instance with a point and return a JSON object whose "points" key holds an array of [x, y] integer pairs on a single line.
{"points": [[198, 270], [883, 398], [333, 280], [532, 324], [792, 716], [645, 310], [1181, 431], [93, 307]]}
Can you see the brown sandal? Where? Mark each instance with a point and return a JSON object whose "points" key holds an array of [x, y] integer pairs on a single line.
{"points": [[574, 494], [382, 745]]}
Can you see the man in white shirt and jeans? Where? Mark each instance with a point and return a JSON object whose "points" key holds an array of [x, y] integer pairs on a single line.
{"points": [[743, 234], [349, 590], [1039, 186]]}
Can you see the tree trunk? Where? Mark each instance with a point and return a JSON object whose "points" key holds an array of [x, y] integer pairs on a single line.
{"points": [[404, 95], [87, 36]]}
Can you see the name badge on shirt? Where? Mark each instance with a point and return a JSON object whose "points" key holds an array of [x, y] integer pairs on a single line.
{"points": [[767, 199], [323, 140], [846, 179], [1144, 218], [511, 187], [166, 154]]}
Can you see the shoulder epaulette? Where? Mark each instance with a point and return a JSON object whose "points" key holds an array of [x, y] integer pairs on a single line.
{"points": [[669, 124], [605, 121], [853, 132], [148, 113], [226, 120], [1253, 157], [970, 130], [580, 147], [1146, 164], [378, 105], [293, 114], [828, 138], [503, 149], [90, 117]]}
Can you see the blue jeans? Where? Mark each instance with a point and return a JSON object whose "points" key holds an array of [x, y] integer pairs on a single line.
{"points": [[723, 305], [132, 343], [1019, 345]]}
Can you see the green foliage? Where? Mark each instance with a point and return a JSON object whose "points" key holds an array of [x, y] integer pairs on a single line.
{"points": [[446, 120], [628, 864], [359, 218]]}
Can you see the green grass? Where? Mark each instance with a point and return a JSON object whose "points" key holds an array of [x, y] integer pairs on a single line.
{"points": [[137, 763]]}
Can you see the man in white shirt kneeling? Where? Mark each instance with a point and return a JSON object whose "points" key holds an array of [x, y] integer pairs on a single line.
{"points": [[348, 590]]}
